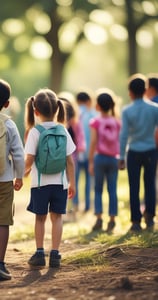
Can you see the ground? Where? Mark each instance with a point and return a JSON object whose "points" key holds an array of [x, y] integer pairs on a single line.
{"points": [[130, 273]]}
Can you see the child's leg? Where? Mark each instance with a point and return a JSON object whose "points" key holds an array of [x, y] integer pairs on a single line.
{"points": [[6, 216], [38, 259], [99, 173], [40, 230], [57, 228], [4, 236]]}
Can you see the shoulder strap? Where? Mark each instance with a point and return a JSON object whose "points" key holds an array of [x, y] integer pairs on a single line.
{"points": [[40, 128]]}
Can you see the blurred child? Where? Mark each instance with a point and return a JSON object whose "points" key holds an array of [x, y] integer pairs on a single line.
{"points": [[87, 112], [103, 158], [152, 87], [75, 128], [138, 148]]}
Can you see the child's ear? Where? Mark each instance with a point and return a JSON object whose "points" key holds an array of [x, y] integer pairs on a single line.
{"points": [[6, 104], [36, 112]]}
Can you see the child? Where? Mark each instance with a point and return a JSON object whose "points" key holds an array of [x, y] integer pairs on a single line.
{"points": [[87, 112], [53, 191], [14, 168], [152, 87], [75, 128], [103, 153], [138, 146]]}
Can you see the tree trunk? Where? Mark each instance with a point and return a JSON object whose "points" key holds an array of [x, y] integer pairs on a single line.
{"points": [[57, 59], [132, 44], [132, 51]]}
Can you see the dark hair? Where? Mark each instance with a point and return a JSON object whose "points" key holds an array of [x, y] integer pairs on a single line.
{"points": [[153, 82], [83, 97], [137, 85], [47, 103], [5, 91], [106, 102], [70, 112]]}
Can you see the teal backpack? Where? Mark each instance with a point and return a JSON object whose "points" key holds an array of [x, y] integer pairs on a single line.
{"points": [[51, 150]]}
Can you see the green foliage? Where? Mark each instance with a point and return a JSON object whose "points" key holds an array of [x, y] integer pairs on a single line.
{"points": [[25, 81], [25, 233], [94, 255], [84, 258], [75, 15]]}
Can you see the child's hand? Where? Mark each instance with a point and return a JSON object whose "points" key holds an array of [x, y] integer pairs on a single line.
{"points": [[121, 164], [91, 168], [18, 183], [71, 192]]}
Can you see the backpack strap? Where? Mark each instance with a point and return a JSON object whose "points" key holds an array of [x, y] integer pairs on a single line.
{"points": [[40, 128]]}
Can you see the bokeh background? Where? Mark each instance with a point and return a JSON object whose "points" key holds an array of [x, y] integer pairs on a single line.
{"points": [[69, 45]]}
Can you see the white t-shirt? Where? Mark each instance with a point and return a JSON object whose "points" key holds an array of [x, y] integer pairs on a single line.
{"points": [[31, 148]]}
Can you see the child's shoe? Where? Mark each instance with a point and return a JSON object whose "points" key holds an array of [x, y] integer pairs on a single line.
{"points": [[110, 226], [54, 259], [37, 259], [98, 225], [136, 228], [4, 273], [149, 221]]}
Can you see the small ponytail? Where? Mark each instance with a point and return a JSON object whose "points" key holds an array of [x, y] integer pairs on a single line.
{"points": [[61, 112], [113, 109], [29, 120]]}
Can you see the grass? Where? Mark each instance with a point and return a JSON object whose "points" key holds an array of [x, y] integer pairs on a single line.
{"points": [[79, 231]]}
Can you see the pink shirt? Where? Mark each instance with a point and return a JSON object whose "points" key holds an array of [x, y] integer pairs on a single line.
{"points": [[79, 139], [108, 129]]}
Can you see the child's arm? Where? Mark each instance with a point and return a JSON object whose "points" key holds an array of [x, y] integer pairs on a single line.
{"points": [[28, 163], [92, 149], [70, 169]]}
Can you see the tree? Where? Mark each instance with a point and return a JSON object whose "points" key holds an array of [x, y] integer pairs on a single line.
{"points": [[138, 13], [72, 17], [59, 16]]}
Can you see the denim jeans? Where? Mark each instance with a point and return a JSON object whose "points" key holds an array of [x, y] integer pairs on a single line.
{"points": [[135, 162], [83, 166], [105, 167]]}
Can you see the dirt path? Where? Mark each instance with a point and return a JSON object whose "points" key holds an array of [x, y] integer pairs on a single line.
{"points": [[128, 274]]}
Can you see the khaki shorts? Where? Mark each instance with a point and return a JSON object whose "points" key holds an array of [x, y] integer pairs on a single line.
{"points": [[6, 203]]}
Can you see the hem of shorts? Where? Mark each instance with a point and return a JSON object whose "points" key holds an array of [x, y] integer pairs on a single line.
{"points": [[8, 224], [58, 212], [39, 213]]}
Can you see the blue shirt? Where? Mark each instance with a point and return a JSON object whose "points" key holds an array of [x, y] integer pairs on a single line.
{"points": [[139, 120], [85, 116], [155, 99]]}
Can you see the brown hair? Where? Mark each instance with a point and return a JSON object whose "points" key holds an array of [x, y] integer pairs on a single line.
{"points": [[45, 101]]}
